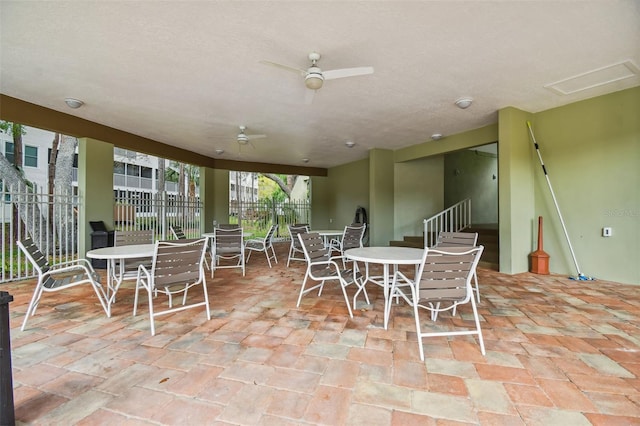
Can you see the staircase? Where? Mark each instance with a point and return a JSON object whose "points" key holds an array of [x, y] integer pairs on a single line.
{"points": [[487, 236]]}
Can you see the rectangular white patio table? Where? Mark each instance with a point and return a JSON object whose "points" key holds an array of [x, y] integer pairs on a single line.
{"points": [[385, 256], [111, 254]]}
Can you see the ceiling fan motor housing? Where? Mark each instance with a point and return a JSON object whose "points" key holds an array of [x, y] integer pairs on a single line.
{"points": [[314, 78]]}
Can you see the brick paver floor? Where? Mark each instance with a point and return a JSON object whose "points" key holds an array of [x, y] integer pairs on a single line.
{"points": [[559, 352]]}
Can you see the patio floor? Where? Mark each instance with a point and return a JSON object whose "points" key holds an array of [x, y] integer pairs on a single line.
{"points": [[559, 352]]}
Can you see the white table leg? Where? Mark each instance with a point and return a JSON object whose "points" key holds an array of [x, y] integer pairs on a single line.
{"points": [[365, 279], [387, 298]]}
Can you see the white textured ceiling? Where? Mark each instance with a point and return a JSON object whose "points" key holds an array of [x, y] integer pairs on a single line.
{"points": [[187, 73]]}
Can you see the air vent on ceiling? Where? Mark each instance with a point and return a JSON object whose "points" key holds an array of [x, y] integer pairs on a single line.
{"points": [[595, 78]]}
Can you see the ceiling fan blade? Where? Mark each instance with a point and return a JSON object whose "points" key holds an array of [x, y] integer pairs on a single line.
{"points": [[346, 72], [308, 96], [285, 67], [251, 137]]}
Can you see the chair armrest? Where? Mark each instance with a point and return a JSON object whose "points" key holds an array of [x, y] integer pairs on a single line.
{"points": [[69, 267], [76, 262], [401, 280], [143, 271]]}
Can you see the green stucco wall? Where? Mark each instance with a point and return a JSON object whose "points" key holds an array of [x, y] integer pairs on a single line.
{"points": [[418, 194], [591, 150], [473, 174]]}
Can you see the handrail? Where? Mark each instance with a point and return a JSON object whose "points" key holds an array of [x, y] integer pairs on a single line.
{"points": [[454, 219]]}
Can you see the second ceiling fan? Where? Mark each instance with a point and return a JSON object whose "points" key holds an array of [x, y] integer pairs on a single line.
{"points": [[244, 139]]}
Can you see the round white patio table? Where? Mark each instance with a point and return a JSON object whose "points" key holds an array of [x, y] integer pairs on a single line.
{"points": [[111, 254], [327, 233], [386, 256]]}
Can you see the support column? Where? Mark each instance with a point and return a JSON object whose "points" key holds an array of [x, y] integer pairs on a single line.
{"points": [[214, 195], [516, 197], [95, 187], [381, 199]]}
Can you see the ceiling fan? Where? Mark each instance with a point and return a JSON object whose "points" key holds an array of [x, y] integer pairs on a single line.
{"points": [[314, 77], [244, 139]]}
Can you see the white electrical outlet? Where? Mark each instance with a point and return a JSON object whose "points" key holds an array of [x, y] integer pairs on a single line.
{"points": [[606, 232]]}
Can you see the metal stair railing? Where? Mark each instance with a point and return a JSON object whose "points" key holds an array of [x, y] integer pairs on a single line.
{"points": [[454, 219]]}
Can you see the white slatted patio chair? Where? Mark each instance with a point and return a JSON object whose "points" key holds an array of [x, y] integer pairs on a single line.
{"points": [[264, 245], [128, 269], [227, 249], [460, 239], [58, 277], [175, 268], [443, 278], [177, 232], [351, 238], [322, 267], [295, 249]]}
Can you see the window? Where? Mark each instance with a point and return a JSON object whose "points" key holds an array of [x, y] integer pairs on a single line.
{"points": [[147, 172], [8, 151], [31, 156], [118, 167], [133, 170]]}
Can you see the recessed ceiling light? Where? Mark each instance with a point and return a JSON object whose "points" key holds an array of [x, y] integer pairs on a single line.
{"points": [[436, 136], [464, 103], [73, 103], [350, 144], [219, 151]]}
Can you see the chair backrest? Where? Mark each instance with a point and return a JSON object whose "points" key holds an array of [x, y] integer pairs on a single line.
{"points": [[228, 240], [352, 236], [127, 238], [269, 237], [313, 246], [457, 239], [227, 226], [35, 256], [445, 274], [294, 230], [178, 262], [177, 232]]}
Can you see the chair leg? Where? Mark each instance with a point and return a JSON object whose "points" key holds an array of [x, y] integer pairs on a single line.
{"points": [[289, 258], [31, 309], [304, 283], [102, 298], [416, 314], [477, 320], [346, 298], [153, 328], [275, 258], [475, 279]]}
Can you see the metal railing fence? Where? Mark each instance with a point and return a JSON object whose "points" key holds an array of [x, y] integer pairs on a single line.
{"points": [[51, 220], [159, 211], [258, 216], [454, 219]]}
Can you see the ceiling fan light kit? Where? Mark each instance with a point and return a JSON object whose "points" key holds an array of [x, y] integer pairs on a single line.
{"points": [[314, 80], [464, 103]]}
